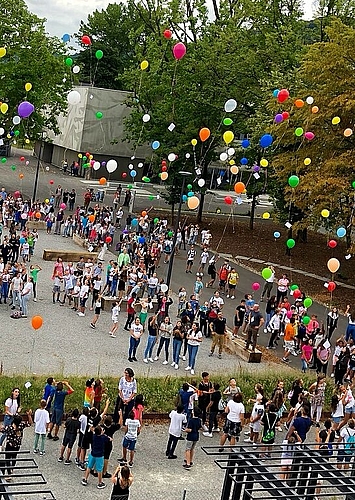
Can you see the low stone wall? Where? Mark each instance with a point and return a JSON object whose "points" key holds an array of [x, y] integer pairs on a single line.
{"points": [[68, 255]]}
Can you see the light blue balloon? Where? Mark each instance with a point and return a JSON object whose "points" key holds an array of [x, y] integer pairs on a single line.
{"points": [[184, 198], [155, 145], [341, 232], [275, 92], [133, 173], [277, 234], [134, 222], [190, 193], [66, 37]]}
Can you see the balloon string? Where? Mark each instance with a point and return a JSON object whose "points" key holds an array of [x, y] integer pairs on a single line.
{"points": [[137, 142], [223, 233], [232, 212], [140, 84], [172, 91], [93, 82]]}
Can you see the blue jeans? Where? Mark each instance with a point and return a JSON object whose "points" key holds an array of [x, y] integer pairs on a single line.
{"points": [[133, 344], [149, 347], [24, 303], [350, 332], [8, 419], [177, 344], [268, 317], [192, 349]]}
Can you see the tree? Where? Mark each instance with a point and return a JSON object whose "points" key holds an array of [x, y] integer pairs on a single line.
{"points": [[31, 57]]}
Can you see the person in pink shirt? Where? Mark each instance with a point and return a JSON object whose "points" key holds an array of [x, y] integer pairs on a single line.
{"points": [[307, 354]]}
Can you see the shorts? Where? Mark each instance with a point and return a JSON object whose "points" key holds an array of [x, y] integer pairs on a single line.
{"points": [[344, 456], [337, 420], [57, 416], [80, 440], [213, 275], [107, 450], [129, 444], [231, 287], [350, 410], [56, 289], [190, 445], [222, 282], [232, 429], [286, 462], [114, 319], [87, 440], [83, 301], [256, 426], [289, 345], [96, 463], [97, 310], [69, 440]]}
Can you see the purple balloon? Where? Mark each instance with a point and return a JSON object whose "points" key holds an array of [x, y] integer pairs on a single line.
{"points": [[278, 118], [256, 168], [125, 231], [103, 164], [25, 109]]}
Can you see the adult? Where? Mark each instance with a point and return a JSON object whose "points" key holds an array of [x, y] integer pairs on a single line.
{"points": [[165, 332], [350, 329], [235, 411], [12, 407], [254, 321], [127, 390], [211, 271], [130, 311], [58, 196], [268, 285], [232, 281], [178, 337], [14, 435], [300, 425], [136, 331], [26, 294], [323, 355], [58, 408], [152, 339], [282, 287], [122, 480], [194, 339], [219, 331]]}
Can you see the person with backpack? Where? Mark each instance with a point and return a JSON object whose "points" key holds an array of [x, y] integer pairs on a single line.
{"points": [[346, 445], [269, 420]]}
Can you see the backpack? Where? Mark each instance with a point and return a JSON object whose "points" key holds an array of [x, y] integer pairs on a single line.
{"points": [[350, 444], [270, 434], [16, 315]]}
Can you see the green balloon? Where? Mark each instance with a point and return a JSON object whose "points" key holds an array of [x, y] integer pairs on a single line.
{"points": [[307, 302], [227, 121], [293, 181], [129, 186], [189, 187], [151, 197], [13, 168], [170, 233], [266, 273], [156, 220], [299, 131], [145, 179], [353, 184], [290, 243], [84, 158], [17, 133], [69, 61], [99, 54], [306, 320], [99, 115], [3, 160], [85, 165], [294, 287]]}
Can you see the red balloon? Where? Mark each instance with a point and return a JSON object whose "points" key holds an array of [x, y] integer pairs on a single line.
{"points": [[163, 162], [17, 194], [108, 239], [285, 115], [283, 95], [22, 158], [167, 34], [51, 182], [164, 168], [228, 200], [332, 244], [86, 40], [297, 293], [331, 286], [124, 175]]}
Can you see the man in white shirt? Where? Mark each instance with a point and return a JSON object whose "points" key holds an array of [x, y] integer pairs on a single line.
{"points": [[177, 419]]}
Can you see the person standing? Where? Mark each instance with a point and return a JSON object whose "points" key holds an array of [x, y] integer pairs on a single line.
{"points": [[152, 339], [14, 435], [177, 420], [130, 311], [34, 270], [58, 196], [72, 426], [136, 331], [122, 480], [192, 437], [332, 322], [114, 318], [58, 408], [239, 317], [178, 337], [212, 409], [235, 411], [165, 331], [194, 339], [12, 407], [96, 456], [268, 285], [219, 331], [41, 421], [254, 321], [282, 286], [205, 388], [26, 294], [191, 253]]}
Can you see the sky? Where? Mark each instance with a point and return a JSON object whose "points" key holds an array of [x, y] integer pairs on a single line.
{"points": [[64, 16]]}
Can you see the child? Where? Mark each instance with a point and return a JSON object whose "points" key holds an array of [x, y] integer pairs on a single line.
{"points": [[198, 287], [109, 428], [114, 317], [144, 311], [97, 311], [194, 424], [133, 427], [184, 397], [182, 300], [255, 420], [177, 420], [56, 287], [96, 456], [83, 419], [138, 408], [72, 425], [41, 421], [89, 393]]}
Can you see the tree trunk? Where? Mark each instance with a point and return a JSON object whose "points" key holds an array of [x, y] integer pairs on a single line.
{"points": [[172, 212], [252, 212], [200, 208]]}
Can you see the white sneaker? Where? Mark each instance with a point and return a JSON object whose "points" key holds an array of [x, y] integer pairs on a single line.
{"points": [[184, 358], [207, 434], [188, 368], [232, 297], [145, 360], [192, 371], [176, 366], [173, 363], [34, 300], [227, 296], [81, 314], [112, 335], [165, 362], [156, 358], [151, 360], [205, 428]]}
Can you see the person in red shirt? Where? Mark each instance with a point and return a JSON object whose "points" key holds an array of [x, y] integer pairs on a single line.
{"points": [[130, 311], [223, 275]]}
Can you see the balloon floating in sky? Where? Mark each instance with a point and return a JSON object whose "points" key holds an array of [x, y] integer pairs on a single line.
{"points": [[333, 265], [86, 40], [277, 234], [335, 120], [325, 213], [228, 136], [310, 100], [283, 95], [66, 37], [146, 118], [341, 232], [28, 86], [2, 52], [111, 166], [25, 109], [179, 50], [73, 97], [239, 187], [264, 163], [293, 181], [309, 136], [155, 145], [204, 134], [99, 54], [266, 140], [144, 65], [278, 118], [245, 143], [193, 202], [167, 34], [290, 243], [230, 105]]}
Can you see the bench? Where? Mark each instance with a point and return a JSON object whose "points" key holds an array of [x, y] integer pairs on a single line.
{"points": [[68, 255], [237, 346]]}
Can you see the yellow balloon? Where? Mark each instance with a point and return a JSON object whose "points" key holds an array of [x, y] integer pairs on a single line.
{"points": [[2, 52], [193, 202], [231, 162], [8, 136], [234, 170], [46, 200], [307, 161], [28, 86], [335, 120], [228, 137], [164, 176], [264, 163], [80, 155], [91, 157], [27, 141], [4, 107], [266, 215], [325, 213], [194, 142], [144, 65]]}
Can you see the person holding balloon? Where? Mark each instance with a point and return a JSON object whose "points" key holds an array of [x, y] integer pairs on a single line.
{"points": [[269, 275], [282, 286]]}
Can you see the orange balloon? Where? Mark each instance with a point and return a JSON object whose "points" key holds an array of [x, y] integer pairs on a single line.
{"points": [[144, 213], [315, 109], [239, 187], [193, 202], [299, 103], [91, 218], [348, 132], [333, 265], [164, 176], [21, 176], [204, 134], [37, 322], [38, 215], [102, 181]]}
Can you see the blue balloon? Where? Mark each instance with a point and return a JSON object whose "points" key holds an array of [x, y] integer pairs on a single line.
{"points": [[277, 234], [341, 232], [190, 193], [141, 240], [222, 173], [133, 173], [244, 161], [275, 92], [155, 145], [266, 140], [245, 143], [184, 198], [66, 37], [134, 222], [22, 241]]}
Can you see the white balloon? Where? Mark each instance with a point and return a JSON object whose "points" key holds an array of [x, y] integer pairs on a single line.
{"points": [[201, 182], [158, 196], [64, 80], [140, 165], [146, 118], [231, 151], [47, 169], [230, 105], [2, 131], [130, 166], [223, 156], [96, 165], [171, 156], [187, 156], [132, 157], [310, 100], [76, 69], [74, 97], [16, 120], [111, 166], [164, 288]]}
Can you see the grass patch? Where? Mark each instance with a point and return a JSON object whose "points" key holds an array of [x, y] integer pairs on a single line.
{"points": [[159, 392]]}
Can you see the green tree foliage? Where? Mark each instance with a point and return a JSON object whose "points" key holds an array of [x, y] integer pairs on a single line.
{"points": [[31, 57]]}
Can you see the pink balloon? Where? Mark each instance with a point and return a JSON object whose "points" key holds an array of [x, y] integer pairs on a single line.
{"points": [[309, 135], [63, 206], [179, 50], [255, 286], [289, 314]]}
